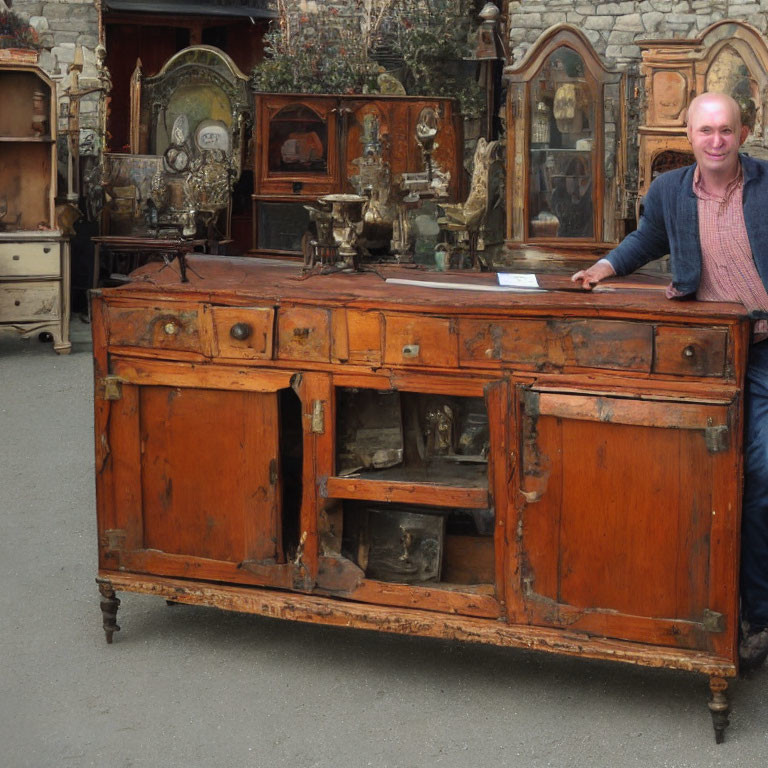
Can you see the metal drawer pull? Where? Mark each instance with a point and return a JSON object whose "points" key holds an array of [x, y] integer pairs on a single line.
{"points": [[689, 351], [240, 331], [16, 257], [17, 303], [46, 250], [301, 333], [171, 328], [411, 350]]}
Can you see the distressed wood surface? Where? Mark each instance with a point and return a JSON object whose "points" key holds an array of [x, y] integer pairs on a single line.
{"points": [[612, 474], [244, 280], [617, 520], [344, 613]]}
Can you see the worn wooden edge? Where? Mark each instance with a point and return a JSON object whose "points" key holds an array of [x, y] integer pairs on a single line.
{"points": [[336, 612], [162, 373], [638, 388], [625, 411], [455, 599], [465, 379]]}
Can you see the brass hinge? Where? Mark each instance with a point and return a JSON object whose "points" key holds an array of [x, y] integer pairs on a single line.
{"points": [[712, 621], [113, 389], [717, 438], [318, 418], [113, 538]]}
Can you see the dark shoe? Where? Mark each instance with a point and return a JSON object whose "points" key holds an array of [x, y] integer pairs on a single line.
{"points": [[753, 648]]}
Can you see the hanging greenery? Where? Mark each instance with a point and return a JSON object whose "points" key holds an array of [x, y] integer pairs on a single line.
{"points": [[342, 48], [432, 38]]}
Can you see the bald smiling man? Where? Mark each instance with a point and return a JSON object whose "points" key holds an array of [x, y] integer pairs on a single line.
{"points": [[712, 219]]}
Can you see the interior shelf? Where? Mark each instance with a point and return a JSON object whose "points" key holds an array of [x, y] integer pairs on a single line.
{"points": [[444, 483], [554, 150], [26, 139]]}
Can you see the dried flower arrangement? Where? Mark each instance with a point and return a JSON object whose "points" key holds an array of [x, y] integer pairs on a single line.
{"points": [[15, 32]]}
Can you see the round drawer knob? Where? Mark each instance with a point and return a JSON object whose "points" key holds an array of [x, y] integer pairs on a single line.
{"points": [[17, 303], [171, 328], [689, 352], [240, 331]]}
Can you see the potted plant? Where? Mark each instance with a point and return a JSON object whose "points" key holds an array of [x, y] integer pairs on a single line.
{"points": [[18, 41]]}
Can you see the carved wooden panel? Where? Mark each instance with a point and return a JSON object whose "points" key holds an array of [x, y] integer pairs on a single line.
{"points": [[729, 57], [669, 96]]}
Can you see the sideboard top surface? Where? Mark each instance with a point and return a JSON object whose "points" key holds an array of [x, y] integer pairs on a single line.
{"points": [[241, 280]]}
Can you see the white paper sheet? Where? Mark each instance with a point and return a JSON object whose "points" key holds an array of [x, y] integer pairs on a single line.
{"points": [[518, 280]]}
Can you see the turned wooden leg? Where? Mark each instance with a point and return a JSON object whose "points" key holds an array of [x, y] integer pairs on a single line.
{"points": [[109, 606], [719, 706]]}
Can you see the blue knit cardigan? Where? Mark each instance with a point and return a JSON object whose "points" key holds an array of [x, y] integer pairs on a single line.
{"points": [[670, 225]]}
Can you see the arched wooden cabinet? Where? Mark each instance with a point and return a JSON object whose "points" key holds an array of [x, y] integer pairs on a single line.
{"points": [[563, 117], [729, 57]]}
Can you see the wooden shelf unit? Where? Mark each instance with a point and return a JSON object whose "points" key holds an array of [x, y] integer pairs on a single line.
{"points": [[34, 256]]}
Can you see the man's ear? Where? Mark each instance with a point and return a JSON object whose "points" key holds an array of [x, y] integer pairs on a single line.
{"points": [[743, 135]]}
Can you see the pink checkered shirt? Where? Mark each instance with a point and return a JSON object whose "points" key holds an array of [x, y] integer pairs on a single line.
{"points": [[728, 271]]}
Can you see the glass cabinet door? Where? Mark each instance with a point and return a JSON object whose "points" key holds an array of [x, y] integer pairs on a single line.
{"points": [[565, 153], [562, 146], [298, 141], [297, 146]]}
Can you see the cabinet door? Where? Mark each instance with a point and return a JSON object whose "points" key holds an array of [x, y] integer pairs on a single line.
{"points": [[628, 522], [297, 149], [192, 482]]}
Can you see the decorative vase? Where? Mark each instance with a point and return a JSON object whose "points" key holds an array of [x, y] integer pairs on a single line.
{"points": [[39, 115]]}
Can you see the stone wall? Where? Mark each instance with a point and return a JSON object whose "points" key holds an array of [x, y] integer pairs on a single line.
{"points": [[614, 28]]}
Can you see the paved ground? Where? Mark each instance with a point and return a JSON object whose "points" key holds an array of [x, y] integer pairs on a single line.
{"points": [[187, 686]]}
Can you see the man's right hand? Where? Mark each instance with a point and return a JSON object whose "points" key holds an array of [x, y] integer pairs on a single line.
{"points": [[589, 278]]}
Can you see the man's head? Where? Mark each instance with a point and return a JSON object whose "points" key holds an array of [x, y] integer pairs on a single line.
{"points": [[716, 133]]}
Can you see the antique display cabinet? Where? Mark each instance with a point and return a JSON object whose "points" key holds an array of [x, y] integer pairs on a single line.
{"points": [[306, 146], [195, 116], [34, 256], [547, 470], [729, 57], [564, 158]]}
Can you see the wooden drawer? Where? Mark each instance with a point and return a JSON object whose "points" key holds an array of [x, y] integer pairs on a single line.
{"points": [[29, 302], [24, 259], [356, 336], [552, 344], [418, 340], [690, 351], [304, 333], [173, 328], [243, 333]]}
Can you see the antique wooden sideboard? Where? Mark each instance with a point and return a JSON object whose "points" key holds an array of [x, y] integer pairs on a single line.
{"points": [[550, 470]]}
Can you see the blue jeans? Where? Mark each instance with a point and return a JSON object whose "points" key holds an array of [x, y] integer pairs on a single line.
{"points": [[754, 520]]}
